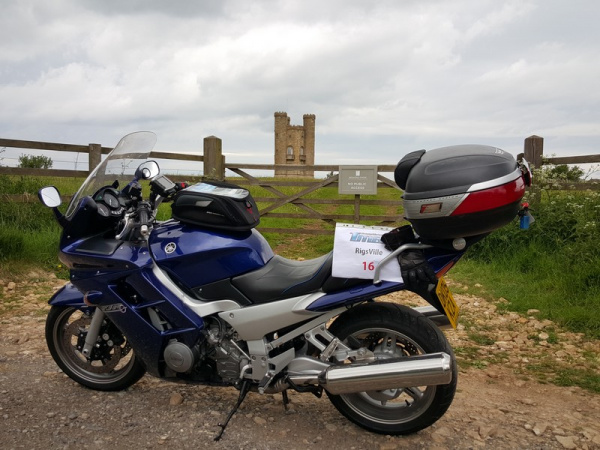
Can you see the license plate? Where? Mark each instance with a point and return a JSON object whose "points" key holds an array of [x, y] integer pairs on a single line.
{"points": [[445, 297]]}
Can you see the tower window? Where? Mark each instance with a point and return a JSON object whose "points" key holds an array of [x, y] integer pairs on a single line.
{"points": [[290, 153]]}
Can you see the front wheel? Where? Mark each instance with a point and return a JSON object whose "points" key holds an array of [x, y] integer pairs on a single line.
{"points": [[392, 331], [112, 365]]}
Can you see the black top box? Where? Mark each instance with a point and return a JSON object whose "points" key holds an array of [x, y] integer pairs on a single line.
{"points": [[460, 191]]}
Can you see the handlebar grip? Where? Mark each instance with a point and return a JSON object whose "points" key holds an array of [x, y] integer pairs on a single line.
{"points": [[143, 220], [143, 216]]}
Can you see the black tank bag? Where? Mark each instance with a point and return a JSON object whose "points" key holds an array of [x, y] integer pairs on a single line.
{"points": [[217, 205]]}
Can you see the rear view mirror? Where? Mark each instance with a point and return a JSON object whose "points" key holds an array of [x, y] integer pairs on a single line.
{"points": [[147, 170], [50, 197]]}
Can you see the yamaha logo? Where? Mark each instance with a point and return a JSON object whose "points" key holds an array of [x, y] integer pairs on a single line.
{"points": [[170, 248]]}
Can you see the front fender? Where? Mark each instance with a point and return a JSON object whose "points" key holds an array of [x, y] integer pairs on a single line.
{"points": [[68, 295]]}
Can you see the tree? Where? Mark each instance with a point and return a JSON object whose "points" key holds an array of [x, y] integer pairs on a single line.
{"points": [[564, 172], [35, 162]]}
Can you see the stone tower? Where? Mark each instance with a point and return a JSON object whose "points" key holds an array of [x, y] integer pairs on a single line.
{"points": [[294, 144]]}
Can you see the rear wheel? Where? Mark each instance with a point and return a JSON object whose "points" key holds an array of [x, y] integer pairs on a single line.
{"points": [[392, 331], [112, 365]]}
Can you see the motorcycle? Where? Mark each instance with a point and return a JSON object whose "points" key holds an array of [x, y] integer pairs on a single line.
{"points": [[202, 298]]}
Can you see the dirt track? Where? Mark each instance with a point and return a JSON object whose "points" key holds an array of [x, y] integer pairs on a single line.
{"points": [[498, 404]]}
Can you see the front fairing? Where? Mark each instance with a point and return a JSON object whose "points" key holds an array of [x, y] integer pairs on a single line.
{"points": [[97, 255], [68, 295]]}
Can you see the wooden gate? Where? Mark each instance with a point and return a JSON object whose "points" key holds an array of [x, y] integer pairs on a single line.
{"points": [[316, 208]]}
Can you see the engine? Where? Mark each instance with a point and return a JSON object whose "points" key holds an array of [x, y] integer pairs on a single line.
{"points": [[229, 357], [217, 359], [179, 357]]}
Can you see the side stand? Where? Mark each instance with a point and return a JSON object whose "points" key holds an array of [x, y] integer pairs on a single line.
{"points": [[244, 389], [286, 400]]}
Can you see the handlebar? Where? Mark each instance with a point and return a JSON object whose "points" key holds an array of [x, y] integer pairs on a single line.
{"points": [[141, 213], [138, 219], [143, 219]]}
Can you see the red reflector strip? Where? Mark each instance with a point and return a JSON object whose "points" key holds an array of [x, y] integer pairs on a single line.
{"points": [[444, 270], [492, 198]]}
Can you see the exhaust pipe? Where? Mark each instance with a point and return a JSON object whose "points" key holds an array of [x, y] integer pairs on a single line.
{"points": [[421, 370]]}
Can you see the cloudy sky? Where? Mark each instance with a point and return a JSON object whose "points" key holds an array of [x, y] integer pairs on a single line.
{"points": [[383, 77]]}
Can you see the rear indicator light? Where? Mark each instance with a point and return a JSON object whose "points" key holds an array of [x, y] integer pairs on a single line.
{"points": [[431, 208]]}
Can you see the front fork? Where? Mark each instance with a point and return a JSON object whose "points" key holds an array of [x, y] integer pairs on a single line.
{"points": [[92, 335]]}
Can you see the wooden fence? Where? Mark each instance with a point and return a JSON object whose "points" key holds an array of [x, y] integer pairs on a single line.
{"points": [[534, 154], [215, 167], [93, 150]]}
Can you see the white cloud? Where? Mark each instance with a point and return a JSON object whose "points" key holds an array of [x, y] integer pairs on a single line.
{"points": [[390, 75]]}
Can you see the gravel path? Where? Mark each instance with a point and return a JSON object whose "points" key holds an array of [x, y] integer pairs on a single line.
{"points": [[499, 403]]}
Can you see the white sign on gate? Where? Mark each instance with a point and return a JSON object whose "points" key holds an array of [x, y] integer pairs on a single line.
{"points": [[357, 250], [357, 180]]}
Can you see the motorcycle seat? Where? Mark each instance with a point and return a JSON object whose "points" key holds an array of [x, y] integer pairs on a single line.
{"points": [[284, 278]]}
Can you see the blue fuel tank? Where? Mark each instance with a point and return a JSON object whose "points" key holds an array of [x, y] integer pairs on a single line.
{"points": [[196, 256]]}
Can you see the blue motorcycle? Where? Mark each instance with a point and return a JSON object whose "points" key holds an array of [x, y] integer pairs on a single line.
{"points": [[202, 298]]}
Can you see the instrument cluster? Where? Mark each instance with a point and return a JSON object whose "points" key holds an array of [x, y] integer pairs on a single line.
{"points": [[109, 204]]}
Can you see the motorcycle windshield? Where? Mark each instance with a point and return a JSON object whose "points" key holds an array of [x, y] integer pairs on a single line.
{"points": [[119, 165]]}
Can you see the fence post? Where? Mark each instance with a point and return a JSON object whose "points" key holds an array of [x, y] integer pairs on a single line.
{"points": [[534, 150], [95, 156], [214, 166], [356, 208]]}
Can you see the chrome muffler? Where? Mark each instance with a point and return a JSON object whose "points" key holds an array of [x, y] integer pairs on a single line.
{"points": [[420, 370]]}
